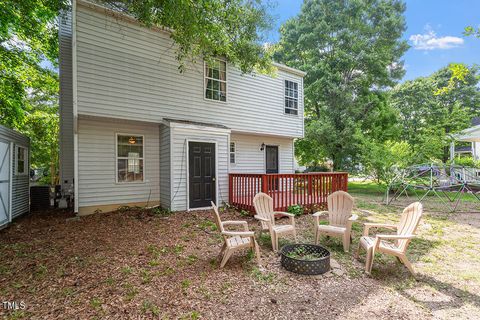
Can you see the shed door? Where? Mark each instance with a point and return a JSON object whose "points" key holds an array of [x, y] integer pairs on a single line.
{"points": [[4, 183]]}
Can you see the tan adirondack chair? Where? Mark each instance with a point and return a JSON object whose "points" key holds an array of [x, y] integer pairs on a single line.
{"points": [[263, 204], [340, 218], [395, 245], [234, 240]]}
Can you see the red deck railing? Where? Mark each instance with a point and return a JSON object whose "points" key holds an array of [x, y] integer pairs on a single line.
{"points": [[309, 190]]}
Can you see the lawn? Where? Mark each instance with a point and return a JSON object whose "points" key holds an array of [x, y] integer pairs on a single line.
{"points": [[140, 264]]}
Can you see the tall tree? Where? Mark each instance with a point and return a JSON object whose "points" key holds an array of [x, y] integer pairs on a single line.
{"points": [[28, 36], [28, 80], [428, 119], [351, 52], [208, 28]]}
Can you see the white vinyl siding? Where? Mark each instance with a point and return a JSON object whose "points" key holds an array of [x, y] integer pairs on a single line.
{"points": [[250, 159], [96, 163], [131, 72], [180, 138]]}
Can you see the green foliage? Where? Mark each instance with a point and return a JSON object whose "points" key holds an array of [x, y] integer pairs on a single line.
{"points": [[301, 253], [465, 162], [262, 276], [470, 31], [459, 70], [459, 73], [245, 213], [28, 36], [164, 212], [427, 119], [296, 209], [350, 50], [209, 28], [96, 303], [207, 225], [380, 158], [148, 306], [28, 88]]}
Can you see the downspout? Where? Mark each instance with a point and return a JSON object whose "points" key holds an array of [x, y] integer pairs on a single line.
{"points": [[75, 106]]}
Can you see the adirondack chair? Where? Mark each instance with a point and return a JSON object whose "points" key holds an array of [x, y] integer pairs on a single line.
{"points": [[395, 245], [340, 218], [234, 240], [263, 204]]}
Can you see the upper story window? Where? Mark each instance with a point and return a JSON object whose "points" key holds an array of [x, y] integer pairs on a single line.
{"points": [[233, 149], [21, 160], [130, 150], [216, 80], [291, 97]]}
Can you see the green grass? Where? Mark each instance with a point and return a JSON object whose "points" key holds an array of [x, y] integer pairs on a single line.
{"points": [[444, 253], [148, 306], [373, 189], [368, 188]]}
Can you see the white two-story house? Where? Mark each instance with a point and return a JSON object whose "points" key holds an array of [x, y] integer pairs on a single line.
{"points": [[136, 131]]}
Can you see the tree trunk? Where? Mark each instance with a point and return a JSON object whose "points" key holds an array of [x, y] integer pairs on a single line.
{"points": [[446, 149]]}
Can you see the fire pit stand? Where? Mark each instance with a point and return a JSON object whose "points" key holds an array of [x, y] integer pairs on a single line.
{"points": [[306, 259]]}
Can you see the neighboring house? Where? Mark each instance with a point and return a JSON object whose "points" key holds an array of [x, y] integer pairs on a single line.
{"points": [[136, 131], [471, 135]]}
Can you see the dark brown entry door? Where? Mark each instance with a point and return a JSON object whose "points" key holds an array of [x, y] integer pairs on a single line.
{"points": [[271, 155], [201, 163]]}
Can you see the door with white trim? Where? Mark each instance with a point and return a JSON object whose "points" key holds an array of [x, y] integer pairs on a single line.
{"points": [[4, 183], [202, 178]]}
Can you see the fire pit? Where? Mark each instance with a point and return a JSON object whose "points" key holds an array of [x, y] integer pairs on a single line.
{"points": [[305, 259]]}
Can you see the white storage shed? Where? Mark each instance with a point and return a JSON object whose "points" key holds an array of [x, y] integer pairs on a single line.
{"points": [[14, 175]]}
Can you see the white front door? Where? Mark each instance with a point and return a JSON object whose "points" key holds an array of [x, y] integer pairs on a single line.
{"points": [[4, 183]]}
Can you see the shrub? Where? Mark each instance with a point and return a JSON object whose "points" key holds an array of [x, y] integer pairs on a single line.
{"points": [[296, 209], [465, 162], [164, 212]]}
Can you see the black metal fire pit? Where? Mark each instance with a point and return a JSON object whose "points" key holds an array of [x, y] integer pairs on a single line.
{"points": [[305, 258]]}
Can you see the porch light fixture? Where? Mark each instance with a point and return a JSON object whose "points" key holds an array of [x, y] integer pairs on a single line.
{"points": [[132, 140], [262, 147]]}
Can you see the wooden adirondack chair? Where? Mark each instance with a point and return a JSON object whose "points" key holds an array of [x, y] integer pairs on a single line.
{"points": [[395, 245], [234, 240], [340, 218], [263, 204]]}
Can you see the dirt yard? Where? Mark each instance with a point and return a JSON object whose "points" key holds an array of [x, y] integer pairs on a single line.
{"points": [[135, 264]]}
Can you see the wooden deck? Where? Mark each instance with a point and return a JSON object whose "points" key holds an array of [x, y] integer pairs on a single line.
{"points": [[309, 190]]}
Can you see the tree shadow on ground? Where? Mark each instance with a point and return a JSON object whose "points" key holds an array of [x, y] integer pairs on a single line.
{"points": [[446, 297]]}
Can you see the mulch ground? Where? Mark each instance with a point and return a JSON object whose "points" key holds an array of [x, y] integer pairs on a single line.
{"points": [[134, 264]]}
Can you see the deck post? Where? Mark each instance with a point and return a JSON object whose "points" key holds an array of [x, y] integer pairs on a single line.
{"points": [[264, 183], [230, 189], [309, 177]]}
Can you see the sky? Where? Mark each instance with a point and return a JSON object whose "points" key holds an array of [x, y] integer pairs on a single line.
{"points": [[434, 32]]}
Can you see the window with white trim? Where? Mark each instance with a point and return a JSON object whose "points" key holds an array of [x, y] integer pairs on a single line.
{"points": [[233, 148], [216, 80], [21, 160], [291, 97], [130, 150]]}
